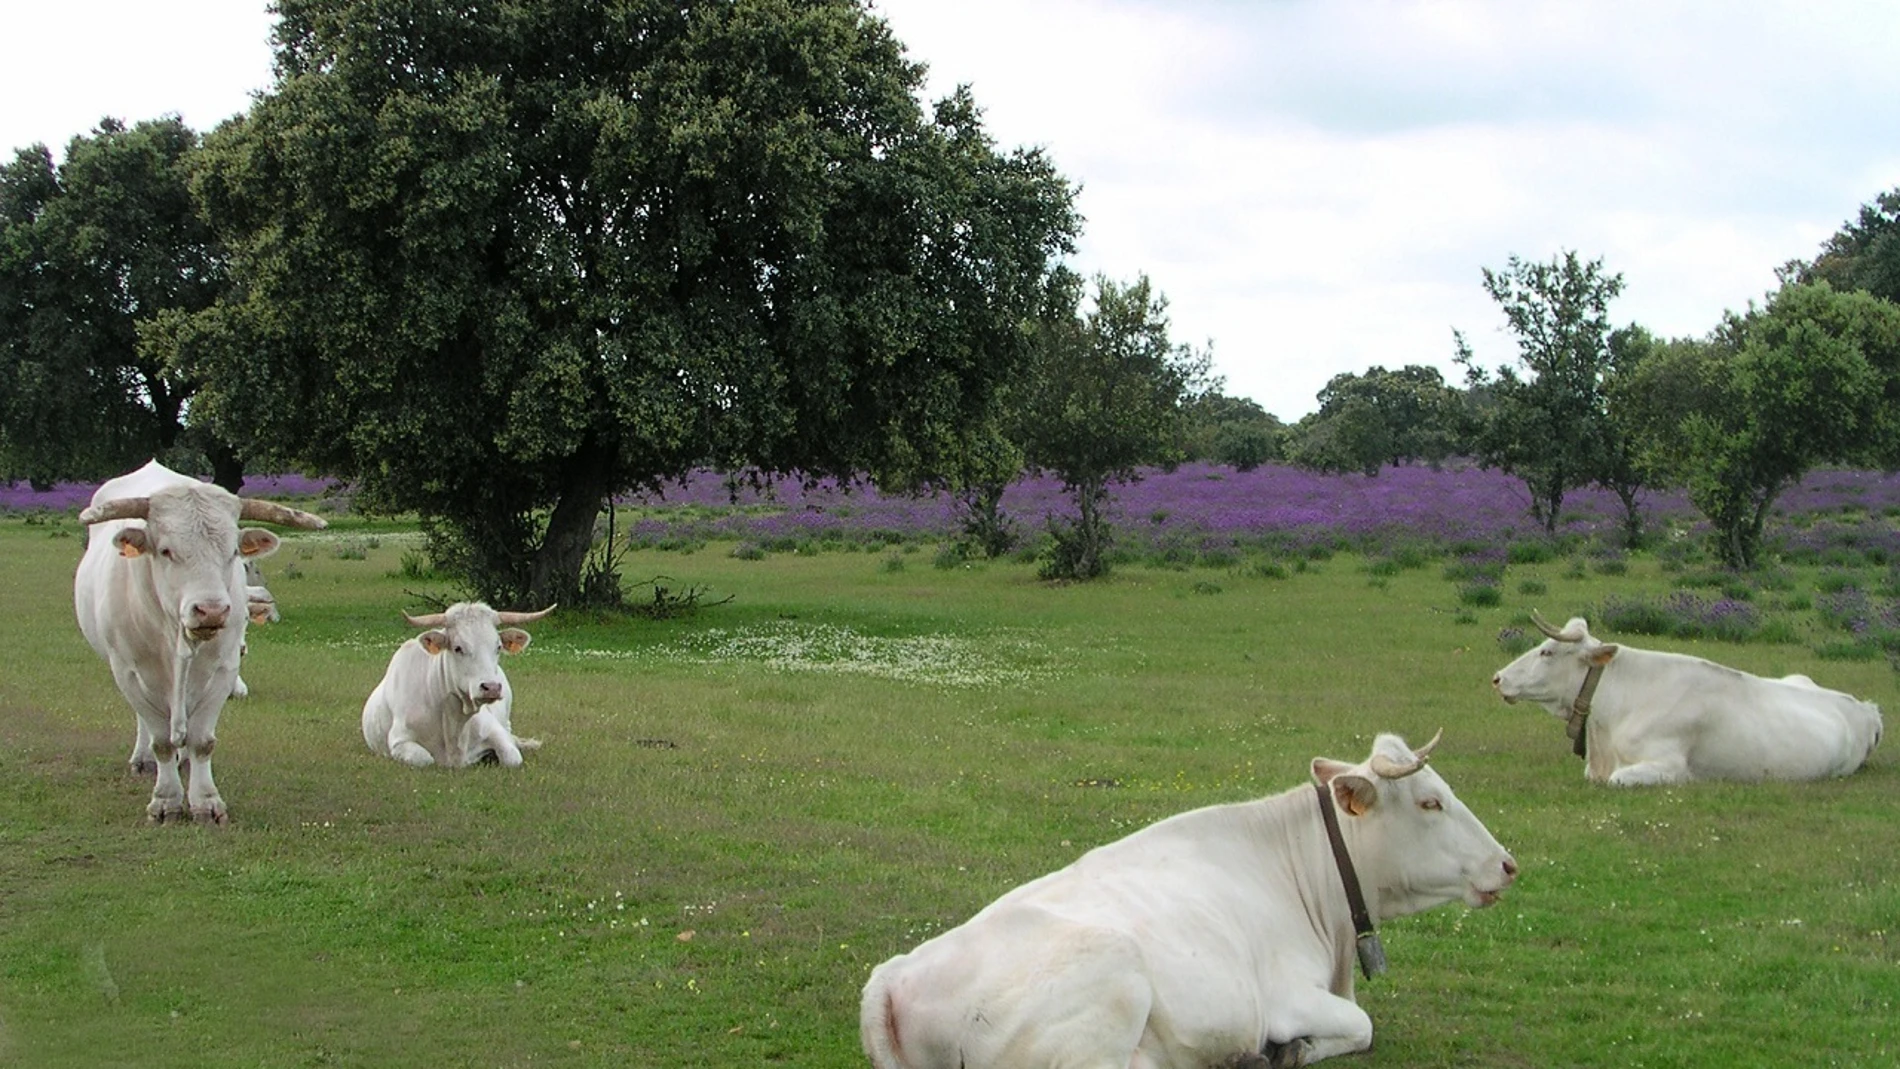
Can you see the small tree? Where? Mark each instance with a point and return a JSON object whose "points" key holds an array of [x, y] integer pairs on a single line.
{"points": [[1106, 398], [1546, 426], [1740, 417], [1382, 417], [1234, 431]]}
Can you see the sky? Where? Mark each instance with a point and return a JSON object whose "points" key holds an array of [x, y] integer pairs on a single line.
{"points": [[1315, 185]]}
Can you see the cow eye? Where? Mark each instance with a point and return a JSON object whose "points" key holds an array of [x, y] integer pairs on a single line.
{"points": [[1431, 805], [457, 647]]}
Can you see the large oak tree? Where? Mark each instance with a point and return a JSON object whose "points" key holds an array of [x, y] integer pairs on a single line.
{"points": [[504, 260]]}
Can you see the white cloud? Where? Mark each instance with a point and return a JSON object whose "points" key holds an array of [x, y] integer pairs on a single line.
{"points": [[1316, 185], [65, 64]]}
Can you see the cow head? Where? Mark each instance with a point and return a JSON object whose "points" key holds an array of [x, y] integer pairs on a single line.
{"points": [[468, 640], [1552, 674], [194, 548], [1415, 844]]}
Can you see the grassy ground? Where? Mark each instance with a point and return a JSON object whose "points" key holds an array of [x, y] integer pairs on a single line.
{"points": [[736, 815]]}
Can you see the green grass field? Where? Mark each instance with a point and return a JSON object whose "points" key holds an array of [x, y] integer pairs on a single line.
{"points": [[737, 814]]}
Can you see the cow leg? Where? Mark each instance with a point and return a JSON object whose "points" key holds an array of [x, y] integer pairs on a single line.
{"points": [[1329, 1025], [485, 734], [404, 747], [201, 737], [168, 791], [142, 762], [1651, 773]]}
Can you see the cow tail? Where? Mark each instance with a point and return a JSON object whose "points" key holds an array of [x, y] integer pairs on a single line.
{"points": [[878, 1027]]}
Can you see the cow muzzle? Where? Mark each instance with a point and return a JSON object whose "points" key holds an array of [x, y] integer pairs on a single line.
{"points": [[1481, 897], [487, 693], [206, 619], [1497, 684]]}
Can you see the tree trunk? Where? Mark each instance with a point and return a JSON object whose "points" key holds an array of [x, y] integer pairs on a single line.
{"points": [[227, 468], [555, 575]]}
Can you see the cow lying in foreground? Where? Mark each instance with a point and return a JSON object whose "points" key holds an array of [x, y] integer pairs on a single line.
{"points": [[1642, 717], [1205, 939], [444, 699], [160, 594]]}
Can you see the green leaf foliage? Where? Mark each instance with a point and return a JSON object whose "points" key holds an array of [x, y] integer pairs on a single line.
{"points": [[1547, 423], [503, 261], [1741, 416], [1107, 396], [91, 251]]}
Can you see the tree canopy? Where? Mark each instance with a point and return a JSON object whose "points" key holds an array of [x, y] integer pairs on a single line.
{"points": [[1741, 416], [1107, 395], [1377, 418], [89, 252], [1863, 255], [1547, 425], [500, 262]]}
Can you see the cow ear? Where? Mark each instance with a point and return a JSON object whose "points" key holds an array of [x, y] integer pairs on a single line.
{"points": [[434, 641], [131, 542], [1355, 794], [257, 542], [514, 639], [1602, 654]]}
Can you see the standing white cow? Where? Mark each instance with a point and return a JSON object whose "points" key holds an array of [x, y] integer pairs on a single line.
{"points": [[444, 699], [1221, 936], [1643, 717], [155, 594]]}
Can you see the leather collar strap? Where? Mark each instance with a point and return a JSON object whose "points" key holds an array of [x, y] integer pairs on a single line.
{"points": [[1366, 942], [1580, 709]]}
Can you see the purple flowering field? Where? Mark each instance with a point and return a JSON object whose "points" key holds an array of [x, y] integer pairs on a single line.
{"points": [[1197, 507]]}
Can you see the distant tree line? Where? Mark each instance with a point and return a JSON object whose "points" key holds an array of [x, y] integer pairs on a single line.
{"points": [[1734, 418], [494, 267]]}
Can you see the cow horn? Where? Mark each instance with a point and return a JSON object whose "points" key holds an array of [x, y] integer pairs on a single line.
{"points": [[516, 619], [283, 515], [1551, 632], [119, 508], [1386, 768], [434, 619]]}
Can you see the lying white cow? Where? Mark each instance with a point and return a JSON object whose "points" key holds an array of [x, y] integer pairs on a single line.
{"points": [[444, 699], [155, 594], [1647, 717], [1220, 936]]}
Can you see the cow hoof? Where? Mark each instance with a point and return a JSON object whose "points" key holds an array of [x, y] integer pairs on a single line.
{"points": [[210, 814], [160, 812], [1288, 1055], [488, 757]]}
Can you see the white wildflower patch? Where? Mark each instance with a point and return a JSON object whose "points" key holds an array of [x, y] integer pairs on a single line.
{"points": [[788, 646]]}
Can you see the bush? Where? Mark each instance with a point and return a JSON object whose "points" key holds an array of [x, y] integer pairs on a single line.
{"points": [[1513, 642], [1536, 552], [1532, 587], [1847, 651], [1681, 615], [1480, 595], [1268, 569]]}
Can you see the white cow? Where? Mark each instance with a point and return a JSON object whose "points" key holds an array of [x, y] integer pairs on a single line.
{"points": [[154, 593], [444, 699], [1216, 937], [1648, 717]]}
